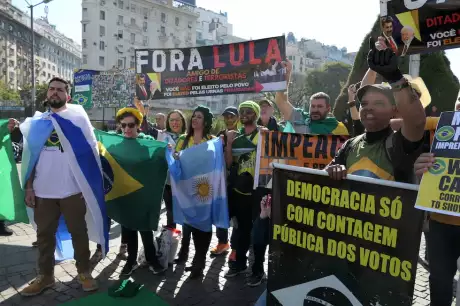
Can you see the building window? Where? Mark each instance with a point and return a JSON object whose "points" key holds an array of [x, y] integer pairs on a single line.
{"points": [[144, 26], [101, 61], [49, 75], [85, 59], [177, 21], [133, 8], [101, 31], [102, 15], [49, 66], [120, 63], [11, 52], [145, 40], [85, 11], [84, 43], [133, 21], [120, 4], [145, 12], [163, 17], [120, 19], [163, 31], [84, 27], [120, 34], [11, 63], [54, 68], [132, 64], [133, 38], [12, 75], [101, 45]]}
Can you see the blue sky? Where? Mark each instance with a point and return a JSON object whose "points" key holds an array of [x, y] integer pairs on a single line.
{"points": [[314, 19]]}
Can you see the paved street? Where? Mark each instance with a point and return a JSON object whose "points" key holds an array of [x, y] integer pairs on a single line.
{"points": [[17, 268]]}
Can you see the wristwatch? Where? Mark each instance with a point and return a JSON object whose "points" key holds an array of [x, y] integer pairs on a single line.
{"points": [[399, 85], [351, 104]]}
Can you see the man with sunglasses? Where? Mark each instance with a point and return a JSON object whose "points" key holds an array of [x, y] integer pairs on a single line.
{"points": [[246, 199]]}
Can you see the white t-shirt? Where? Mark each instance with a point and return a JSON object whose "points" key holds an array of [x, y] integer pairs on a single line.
{"points": [[54, 178]]}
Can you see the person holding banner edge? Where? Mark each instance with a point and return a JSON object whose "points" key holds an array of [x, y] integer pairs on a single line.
{"points": [[442, 242], [391, 154]]}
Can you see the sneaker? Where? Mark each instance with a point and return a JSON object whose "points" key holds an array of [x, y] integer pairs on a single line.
{"points": [[157, 269], [128, 269], [87, 282], [196, 274], [4, 231], [220, 248], [98, 254], [232, 256], [255, 279], [38, 286], [234, 271]]}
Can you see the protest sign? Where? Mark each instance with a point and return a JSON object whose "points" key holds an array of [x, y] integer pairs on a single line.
{"points": [[411, 27], [440, 186], [311, 151], [114, 88], [351, 242], [246, 67]]}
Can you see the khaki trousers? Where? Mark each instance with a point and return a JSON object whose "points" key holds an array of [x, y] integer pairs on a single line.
{"points": [[46, 215]]}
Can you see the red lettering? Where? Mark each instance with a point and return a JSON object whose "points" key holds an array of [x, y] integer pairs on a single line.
{"points": [[240, 60], [217, 63], [252, 59], [273, 52]]}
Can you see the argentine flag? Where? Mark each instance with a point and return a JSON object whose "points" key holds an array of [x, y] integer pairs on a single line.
{"points": [[199, 187], [80, 145]]}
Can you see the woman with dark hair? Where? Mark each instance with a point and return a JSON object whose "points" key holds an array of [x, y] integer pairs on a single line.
{"points": [[175, 126], [199, 131], [130, 120]]}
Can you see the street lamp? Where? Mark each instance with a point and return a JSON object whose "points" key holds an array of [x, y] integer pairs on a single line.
{"points": [[31, 7]]}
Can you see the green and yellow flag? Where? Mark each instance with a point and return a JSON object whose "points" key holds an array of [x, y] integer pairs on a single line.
{"points": [[12, 205], [134, 173]]}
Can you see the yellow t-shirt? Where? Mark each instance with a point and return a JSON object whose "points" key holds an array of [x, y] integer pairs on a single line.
{"points": [[181, 139]]}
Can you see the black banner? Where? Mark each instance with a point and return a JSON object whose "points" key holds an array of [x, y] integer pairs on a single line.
{"points": [[250, 66], [341, 242], [418, 26]]}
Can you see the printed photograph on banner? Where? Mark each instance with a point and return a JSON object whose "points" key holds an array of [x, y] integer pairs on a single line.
{"points": [[341, 243], [310, 151], [82, 90], [439, 189], [412, 27], [113, 88], [246, 67]]}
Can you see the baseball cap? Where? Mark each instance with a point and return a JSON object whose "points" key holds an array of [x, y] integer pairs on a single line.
{"points": [[230, 110], [383, 88], [260, 102]]}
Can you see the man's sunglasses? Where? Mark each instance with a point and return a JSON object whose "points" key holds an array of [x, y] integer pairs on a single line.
{"points": [[130, 125]]}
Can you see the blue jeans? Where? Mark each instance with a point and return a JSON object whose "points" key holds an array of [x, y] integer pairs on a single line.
{"points": [[260, 240]]}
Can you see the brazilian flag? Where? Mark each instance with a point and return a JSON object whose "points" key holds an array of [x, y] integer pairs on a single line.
{"points": [[134, 173]]}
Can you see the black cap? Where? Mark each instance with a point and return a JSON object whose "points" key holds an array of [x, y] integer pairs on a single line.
{"points": [[230, 110], [384, 88]]}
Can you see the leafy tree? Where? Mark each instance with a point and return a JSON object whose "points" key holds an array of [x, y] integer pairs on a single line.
{"points": [[7, 94], [330, 78], [297, 90], [434, 70]]}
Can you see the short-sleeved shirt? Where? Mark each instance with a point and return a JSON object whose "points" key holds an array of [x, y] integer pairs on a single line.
{"points": [[54, 178], [299, 119]]}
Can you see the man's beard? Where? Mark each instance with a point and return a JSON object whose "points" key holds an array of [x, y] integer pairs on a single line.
{"points": [[56, 103]]}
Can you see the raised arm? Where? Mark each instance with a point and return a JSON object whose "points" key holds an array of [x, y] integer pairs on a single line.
{"points": [[281, 98]]}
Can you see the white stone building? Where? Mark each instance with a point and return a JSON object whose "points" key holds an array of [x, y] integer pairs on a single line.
{"points": [[55, 54], [113, 29]]}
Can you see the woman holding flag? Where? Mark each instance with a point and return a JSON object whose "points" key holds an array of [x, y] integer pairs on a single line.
{"points": [[130, 120], [175, 126], [199, 131]]}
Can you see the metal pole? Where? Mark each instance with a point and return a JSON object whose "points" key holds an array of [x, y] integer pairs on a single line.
{"points": [[33, 57], [414, 65]]}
